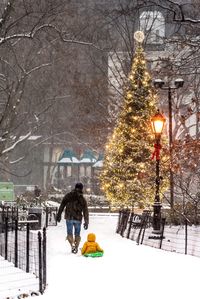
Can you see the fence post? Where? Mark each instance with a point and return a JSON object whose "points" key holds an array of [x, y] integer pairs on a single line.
{"points": [[40, 261], [146, 218], [125, 218], [16, 243], [162, 232], [27, 246], [47, 216], [119, 222], [12, 218], [143, 226], [6, 238], [186, 235], [7, 212], [130, 225], [44, 259]]}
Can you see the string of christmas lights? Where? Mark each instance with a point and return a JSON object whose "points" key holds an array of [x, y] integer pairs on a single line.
{"points": [[129, 173]]}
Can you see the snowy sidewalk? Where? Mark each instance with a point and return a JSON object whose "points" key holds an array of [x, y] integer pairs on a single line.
{"points": [[14, 282], [125, 271]]}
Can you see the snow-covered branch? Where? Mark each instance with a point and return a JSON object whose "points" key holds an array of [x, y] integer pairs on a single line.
{"points": [[31, 34], [17, 142], [17, 161], [37, 68]]}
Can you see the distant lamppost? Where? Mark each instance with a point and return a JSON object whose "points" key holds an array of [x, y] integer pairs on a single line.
{"points": [[178, 83], [157, 122]]}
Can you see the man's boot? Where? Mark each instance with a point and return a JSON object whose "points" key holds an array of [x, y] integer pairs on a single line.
{"points": [[76, 242], [70, 240]]}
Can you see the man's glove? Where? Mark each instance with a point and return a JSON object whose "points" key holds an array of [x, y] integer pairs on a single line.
{"points": [[85, 225], [58, 218]]}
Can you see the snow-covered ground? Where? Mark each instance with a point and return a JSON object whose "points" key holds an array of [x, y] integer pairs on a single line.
{"points": [[126, 270], [14, 282]]}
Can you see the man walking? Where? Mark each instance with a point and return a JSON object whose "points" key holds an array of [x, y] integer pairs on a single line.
{"points": [[75, 209]]}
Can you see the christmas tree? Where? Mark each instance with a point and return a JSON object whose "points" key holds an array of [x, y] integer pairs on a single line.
{"points": [[128, 174]]}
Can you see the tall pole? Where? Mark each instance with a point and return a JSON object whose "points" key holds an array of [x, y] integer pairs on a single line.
{"points": [[178, 83], [157, 204], [170, 148], [157, 122]]}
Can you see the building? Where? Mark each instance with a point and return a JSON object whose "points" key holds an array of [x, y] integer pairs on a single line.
{"points": [[70, 169]]}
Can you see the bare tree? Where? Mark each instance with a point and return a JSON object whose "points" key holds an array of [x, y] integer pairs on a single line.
{"points": [[34, 40]]}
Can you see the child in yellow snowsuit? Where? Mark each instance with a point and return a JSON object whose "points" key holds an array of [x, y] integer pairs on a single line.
{"points": [[91, 246]]}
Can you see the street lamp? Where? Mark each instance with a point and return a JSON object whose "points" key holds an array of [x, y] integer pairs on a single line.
{"points": [[178, 83], [157, 122]]}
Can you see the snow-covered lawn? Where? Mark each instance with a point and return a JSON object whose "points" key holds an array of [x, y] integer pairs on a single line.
{"points": [[125, 271], [14, 281]]}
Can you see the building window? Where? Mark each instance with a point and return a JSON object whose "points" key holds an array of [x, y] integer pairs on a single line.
{"points": [[152, 23]]}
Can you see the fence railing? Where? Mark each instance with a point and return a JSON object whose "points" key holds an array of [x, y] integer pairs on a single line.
{"points": [[180, 238], [45, 216], [26, 249]]}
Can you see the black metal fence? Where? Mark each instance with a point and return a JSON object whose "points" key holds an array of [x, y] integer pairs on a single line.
{"points": [[180, 238], [42, 216], [23, 245]]}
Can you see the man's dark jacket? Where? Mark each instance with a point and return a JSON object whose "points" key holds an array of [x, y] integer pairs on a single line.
{"points": [[75, 206]]}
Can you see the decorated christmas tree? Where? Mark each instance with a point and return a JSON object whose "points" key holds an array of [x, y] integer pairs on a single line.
{"points": [[128, 174]]}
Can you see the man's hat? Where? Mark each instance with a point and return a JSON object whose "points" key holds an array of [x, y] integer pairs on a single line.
{"points": [[79, 186]]}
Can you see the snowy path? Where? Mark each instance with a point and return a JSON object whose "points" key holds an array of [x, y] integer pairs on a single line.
{"points": [[126, 270]]}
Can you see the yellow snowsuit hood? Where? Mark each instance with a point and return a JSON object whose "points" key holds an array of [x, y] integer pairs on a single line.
{"points": [[91, 246], [91, 237]]}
